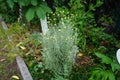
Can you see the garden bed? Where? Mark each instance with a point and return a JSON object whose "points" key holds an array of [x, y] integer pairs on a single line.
{"points": [[8, 68]]}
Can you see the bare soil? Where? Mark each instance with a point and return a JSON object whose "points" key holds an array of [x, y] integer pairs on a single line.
{"points": [[8, 68]]}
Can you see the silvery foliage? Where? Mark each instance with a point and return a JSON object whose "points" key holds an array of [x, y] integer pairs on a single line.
{"points": [[59, 49]]}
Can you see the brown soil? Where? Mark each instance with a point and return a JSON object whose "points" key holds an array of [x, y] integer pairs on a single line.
{"points": [[8, 69], [84, 60]]}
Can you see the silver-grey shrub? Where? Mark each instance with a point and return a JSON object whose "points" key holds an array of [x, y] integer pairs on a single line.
{"points": [[59, 49]]}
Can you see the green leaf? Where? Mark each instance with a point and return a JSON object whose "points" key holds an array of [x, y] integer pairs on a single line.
{"points": [[27, 2], [105, 76], [104, 58], [111, 75], [34, 2], [115, 66], [40, 65], [10, 3], [99, 3], [92, 7], [21, 2], [94, 73], [45, 7], [40, 12], [30, 14], [36, 43]]}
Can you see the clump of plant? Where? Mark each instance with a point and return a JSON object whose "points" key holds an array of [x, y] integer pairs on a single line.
{"points": [[106, 69], [80, 73], [59, 50], [83, 19]]}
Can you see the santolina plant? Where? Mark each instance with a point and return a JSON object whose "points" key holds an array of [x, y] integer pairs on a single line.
{"points": [[59, 49]]}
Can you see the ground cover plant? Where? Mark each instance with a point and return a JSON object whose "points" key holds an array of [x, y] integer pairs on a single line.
{"points": [[8, 65]]}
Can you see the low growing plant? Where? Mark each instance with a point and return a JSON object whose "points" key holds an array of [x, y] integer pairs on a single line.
{"points": [[59, 50], [107, 69]]}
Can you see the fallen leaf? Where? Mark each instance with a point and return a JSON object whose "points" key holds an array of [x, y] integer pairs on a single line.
{"points": [[2, 60], [15, 77], [79, 54], [19, 44], [22, 47]]}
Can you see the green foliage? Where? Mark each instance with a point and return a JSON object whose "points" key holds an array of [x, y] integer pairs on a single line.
{"points": [[10, 3], [2, 33], [59, 49], [59, 3], [108, 69], [84, 19], [7, 13], [59, 44], [30, 14], [16, 29], [37, 8], [80, 73], [104, 59], [88, 33], [34, 2], [8, 51], [106, 19], [37, 68], [33, 57], [90, 37], [36, 38], [101, 74], [3, 7]]}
